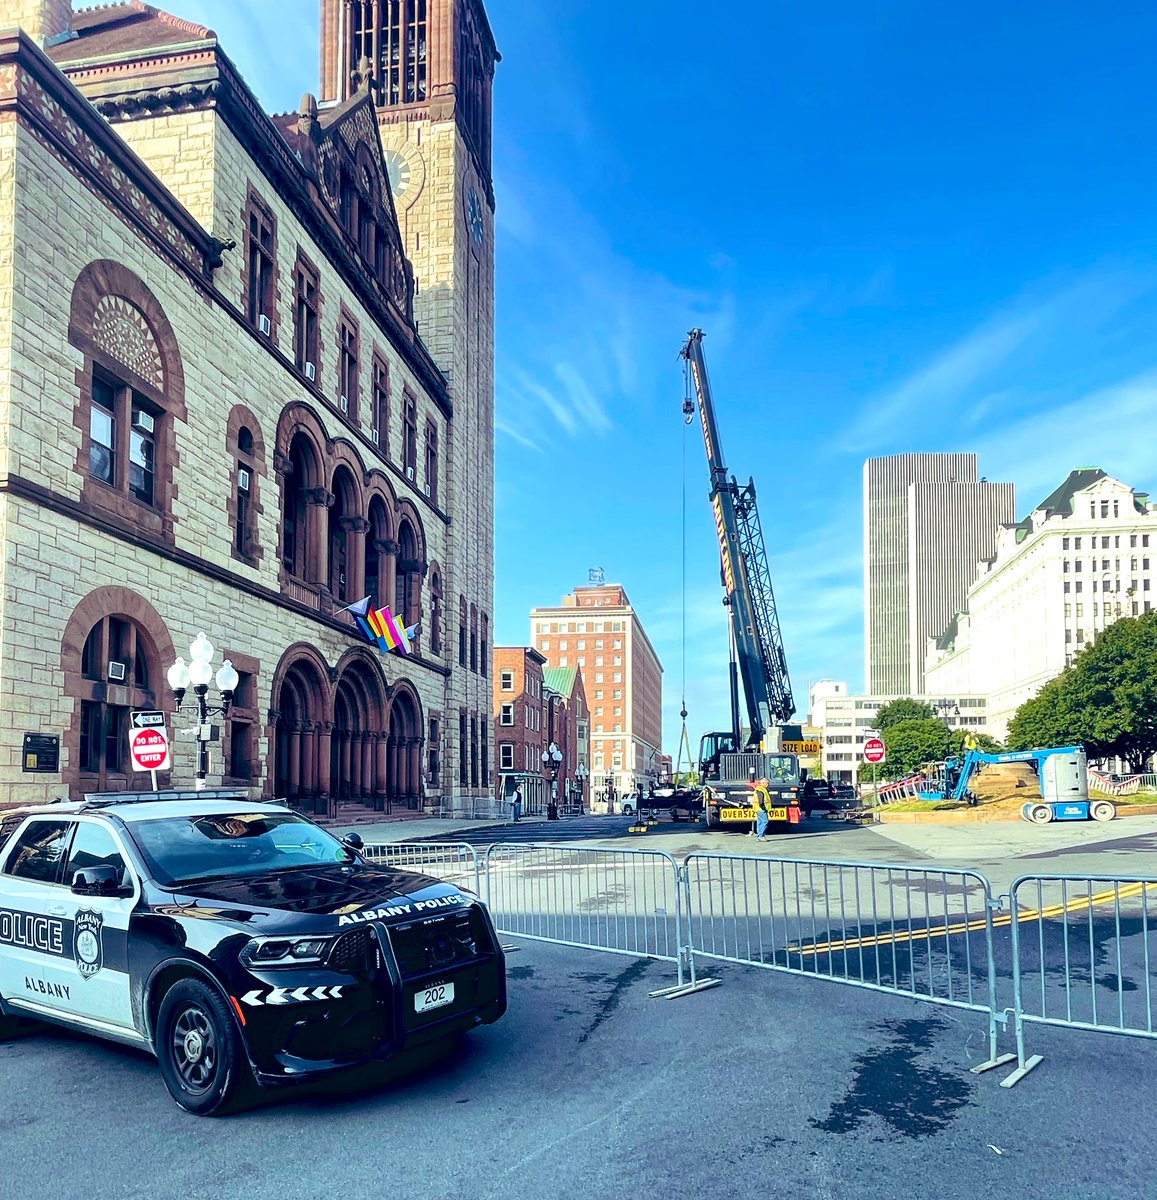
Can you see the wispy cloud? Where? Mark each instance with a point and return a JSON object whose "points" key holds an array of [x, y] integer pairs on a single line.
{"points": [[963, 381]]}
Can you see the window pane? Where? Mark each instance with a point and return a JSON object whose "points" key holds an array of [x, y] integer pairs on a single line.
{"points": [[141, 467], [39, 851], [91, 736], [114, 738], [102, 440]]}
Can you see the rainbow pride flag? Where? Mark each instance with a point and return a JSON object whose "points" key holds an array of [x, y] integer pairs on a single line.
{"points": [[381, 627]]}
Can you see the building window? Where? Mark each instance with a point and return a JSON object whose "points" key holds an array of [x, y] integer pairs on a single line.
{"points": [[473, 751], [436, 613], [409, 436], [124, 428], [484, 649], [461, 631], [381, 403], [306, 318], [242, 446], [463, 766], [484, 749], [506, 681], [400, 69], [433, 754], [348, 369], [506, 756], [261, 266], [117, 658], [506, 714], [432, 461]]}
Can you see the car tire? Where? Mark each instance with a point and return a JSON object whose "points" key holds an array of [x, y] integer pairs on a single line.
{"points": [[199, 1049], [628, 810]]}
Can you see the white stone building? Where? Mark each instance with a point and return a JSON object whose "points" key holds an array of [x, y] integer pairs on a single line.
{"points": [[1084, 557]]}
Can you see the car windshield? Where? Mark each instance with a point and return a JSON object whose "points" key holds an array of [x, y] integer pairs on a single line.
{"points": [[188, 849]]}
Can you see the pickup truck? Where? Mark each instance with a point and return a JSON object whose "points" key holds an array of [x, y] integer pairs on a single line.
{"points": [[684, 804]]}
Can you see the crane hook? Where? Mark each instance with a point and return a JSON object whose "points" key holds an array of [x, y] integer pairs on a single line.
{"points": [[688, 411]]}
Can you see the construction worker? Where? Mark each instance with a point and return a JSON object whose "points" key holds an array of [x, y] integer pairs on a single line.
{"points": [[761, 798]]}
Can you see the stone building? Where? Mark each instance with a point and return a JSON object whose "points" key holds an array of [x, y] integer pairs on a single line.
{"points": [[1083, 558], [246, 378]]}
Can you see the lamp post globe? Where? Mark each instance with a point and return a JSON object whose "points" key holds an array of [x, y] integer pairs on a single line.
{"points": [[198, 674]]}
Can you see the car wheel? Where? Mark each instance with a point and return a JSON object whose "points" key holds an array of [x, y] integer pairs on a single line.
{"points": [[199, 1049], [1040, 814], [1102, 810], [628, 810]]}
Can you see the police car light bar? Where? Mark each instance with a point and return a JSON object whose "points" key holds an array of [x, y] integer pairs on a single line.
{"points": [[105, 799]]}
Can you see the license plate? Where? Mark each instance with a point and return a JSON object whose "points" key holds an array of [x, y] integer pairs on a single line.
{"points": [[434, 997], [748, 814]]}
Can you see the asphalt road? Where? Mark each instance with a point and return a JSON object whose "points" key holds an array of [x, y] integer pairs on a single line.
{"points": [[767, 1086]]}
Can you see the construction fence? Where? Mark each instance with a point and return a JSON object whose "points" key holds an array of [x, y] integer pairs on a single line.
{"points": [[1073, 951]]}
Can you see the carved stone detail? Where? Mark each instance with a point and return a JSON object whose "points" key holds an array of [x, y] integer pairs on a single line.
{"points": [[122, 332]]}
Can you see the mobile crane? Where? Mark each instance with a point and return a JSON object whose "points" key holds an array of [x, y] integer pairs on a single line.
{"points": [[728, 764]]}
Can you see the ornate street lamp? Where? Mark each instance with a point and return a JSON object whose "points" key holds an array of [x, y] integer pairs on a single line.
{"points": [[551, 762], [943, 708], [198, 673], [581, 774]]}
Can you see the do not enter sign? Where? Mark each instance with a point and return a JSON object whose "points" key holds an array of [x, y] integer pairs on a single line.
{"points": [[875, 751], [149, 749]]}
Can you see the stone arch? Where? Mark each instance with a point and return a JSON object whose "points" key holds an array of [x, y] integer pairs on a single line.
{"points": [[114, 314], [358, 753], [300, 729], [150, 648], [404, 745]]}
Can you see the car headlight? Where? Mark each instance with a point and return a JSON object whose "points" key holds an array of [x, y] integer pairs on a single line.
{"points": [[281, 952]]}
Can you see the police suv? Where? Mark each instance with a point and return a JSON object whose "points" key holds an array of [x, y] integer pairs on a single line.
{"points": [[236, 941]]}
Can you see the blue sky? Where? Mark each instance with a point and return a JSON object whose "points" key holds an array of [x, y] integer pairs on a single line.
{"points": [[903, 227]]}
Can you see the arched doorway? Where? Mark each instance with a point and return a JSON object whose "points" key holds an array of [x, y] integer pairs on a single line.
{"points": [[302, 495], [358, 760], [301, 754], [404, 749]]}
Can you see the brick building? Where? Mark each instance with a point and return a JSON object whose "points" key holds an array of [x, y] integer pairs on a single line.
{"points": [[597, 630], [568, 724], [220, 412], [519, 728]]}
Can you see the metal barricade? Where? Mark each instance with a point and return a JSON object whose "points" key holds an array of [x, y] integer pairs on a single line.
{"points": [[455, 862], [1084, 956], [622, 901], [911, 931]]}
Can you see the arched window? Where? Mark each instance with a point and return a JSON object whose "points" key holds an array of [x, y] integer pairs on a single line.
{"points": [[301, 480], [408, 576], [377, 537], [132, 393], [461, 631], [246, 452], [435, 613], [344, 527], [119, 671]]}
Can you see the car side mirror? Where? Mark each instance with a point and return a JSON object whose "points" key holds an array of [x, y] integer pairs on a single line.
{"points": [[99, 881], [353, 841]]}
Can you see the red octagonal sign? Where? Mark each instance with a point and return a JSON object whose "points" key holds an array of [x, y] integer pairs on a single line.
{"points": [[149, 749], [875, 751]]}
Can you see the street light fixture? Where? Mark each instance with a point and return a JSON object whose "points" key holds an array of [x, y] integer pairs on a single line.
{"points": [[943, 708], [551, 762], [198, 673], [581, 773]]}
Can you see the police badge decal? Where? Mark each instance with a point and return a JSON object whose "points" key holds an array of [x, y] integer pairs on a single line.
{"points": [[87, 946]]}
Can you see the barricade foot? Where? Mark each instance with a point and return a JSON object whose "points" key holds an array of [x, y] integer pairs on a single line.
{"points": [[998, 1061], [685, 989], [1021, 1072], [510, 949]]}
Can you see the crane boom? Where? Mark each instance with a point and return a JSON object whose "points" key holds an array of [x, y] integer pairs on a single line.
{"points": [[746, 575]]}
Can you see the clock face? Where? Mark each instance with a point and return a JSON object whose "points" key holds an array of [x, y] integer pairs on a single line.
{"points": [[474, 216], [399, 172]]}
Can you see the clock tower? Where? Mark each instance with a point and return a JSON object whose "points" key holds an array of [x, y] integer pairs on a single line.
{"points": [[430, 66]]}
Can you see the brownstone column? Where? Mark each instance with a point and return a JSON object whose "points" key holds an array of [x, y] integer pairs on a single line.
{"points": [[387, 571], [341, 784], [356, 782], [309, 760], [355, 530], [293, 757], [393, 784], [324, 744], [381, 779], [317, 504], [367, 750]]}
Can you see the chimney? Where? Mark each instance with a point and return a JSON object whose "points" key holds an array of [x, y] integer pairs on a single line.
{"points": [[45, 21]]}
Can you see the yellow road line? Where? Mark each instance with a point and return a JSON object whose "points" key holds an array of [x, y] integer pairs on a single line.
{"points": [[1001, 920]]}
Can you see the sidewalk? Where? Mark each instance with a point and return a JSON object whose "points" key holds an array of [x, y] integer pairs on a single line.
{"points": [[418, 828]]}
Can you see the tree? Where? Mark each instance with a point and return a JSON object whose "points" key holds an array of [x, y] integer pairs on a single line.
{"points": [[906, 709], [913, 743], [1106, 701]]}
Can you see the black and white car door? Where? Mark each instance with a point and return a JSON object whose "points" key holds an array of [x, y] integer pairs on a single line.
{"points": [[94, 975], [33, 931]]}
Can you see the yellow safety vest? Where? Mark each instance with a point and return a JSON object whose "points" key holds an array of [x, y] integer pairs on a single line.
{"points": [[762, 798]]}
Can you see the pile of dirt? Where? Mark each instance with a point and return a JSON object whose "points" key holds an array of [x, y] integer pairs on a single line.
{"points": [[1009, 783]]}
